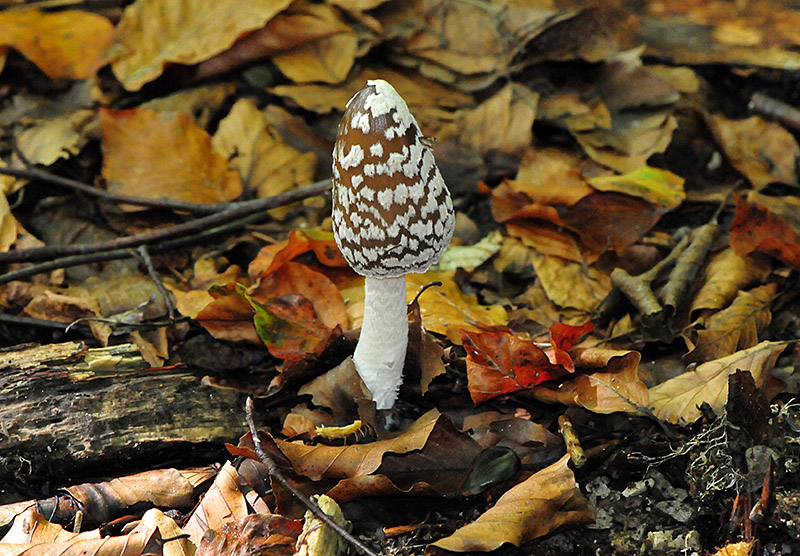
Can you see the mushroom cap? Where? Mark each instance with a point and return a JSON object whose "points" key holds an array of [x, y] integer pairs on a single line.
{"points": [[392, 212]]}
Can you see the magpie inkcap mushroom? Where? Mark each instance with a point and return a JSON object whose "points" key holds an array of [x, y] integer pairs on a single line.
{"points": [[392, 215]]}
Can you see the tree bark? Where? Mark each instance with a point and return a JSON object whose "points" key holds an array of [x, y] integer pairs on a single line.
{"points": [[67, 410]]}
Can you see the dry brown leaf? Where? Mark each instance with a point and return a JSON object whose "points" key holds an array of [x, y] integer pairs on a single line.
{"points": [[725, 275], [258, 533], [503, 122], [256, 150], [153, 154], [322, 48], [223, 503], [732, 329], [762, 151], [545, 501], [201, 103], [614, 387], [67, 44], [8, 225], [446, 310], [154, 33], [30, 527], [137, 542], [677, 400], [168, 529], [57, 138], [571, 284]]}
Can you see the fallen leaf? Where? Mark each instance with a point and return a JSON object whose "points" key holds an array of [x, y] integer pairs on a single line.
{"points": [[67, 44], [571, 284], [757, 229], [503, 122], [258, 533], [762, 151], [677, 400], [53, 139], [547, 500], [726, 274], [446, 310], [140, 157], [272, 257], [265, 163], [298, 279], [657, 186], [469, 257], [606, 381], [230, 315], [502, 363], [223, 503], [30, 527], [732, 329], [154, 33]]}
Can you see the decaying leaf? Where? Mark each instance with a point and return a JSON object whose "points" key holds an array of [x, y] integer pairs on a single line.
{"points": [[606, 381], [732, 329], [141, 158], [677, 400], [726, 274], [757, 229], [547, 500]]}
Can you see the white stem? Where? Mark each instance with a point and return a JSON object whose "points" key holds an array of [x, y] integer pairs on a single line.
{"points": [[381, 350]]}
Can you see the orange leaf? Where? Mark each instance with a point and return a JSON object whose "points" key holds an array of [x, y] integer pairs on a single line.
{"points": [[547, 500], [757, 229], [69, 44], [501, 363], [562, 338], [272, 257], [164, 154], [296, 278], [229, 316]]}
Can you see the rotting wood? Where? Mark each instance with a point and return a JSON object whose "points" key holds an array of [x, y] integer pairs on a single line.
{"points": [[65, 408]]}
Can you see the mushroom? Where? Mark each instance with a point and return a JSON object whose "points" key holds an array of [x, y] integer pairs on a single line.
{"points": [[392, 215]]}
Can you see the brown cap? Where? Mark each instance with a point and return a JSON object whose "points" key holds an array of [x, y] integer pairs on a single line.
{"points": [[392, 213]]}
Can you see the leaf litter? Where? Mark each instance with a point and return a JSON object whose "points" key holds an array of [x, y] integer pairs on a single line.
{"points": [[625, 257]]}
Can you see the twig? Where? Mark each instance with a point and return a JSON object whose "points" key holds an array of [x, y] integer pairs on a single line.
{"points": [[275, 473], [236, 211], [151, 271], [33, 173], [116, 254], [31, 321]]}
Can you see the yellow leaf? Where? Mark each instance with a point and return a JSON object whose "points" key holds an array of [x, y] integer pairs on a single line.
{"points": [[502, 122], [69, 44], [153, 33], [446, 310], [725, 275], [658, 186], [256, 150], [677, 399], [571, 284]]}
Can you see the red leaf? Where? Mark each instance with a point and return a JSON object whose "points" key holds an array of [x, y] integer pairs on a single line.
{"points": [[501, 362], [757, 229], [562, 338]]}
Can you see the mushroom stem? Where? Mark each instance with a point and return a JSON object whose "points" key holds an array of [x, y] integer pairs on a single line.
{"points": [[381, 351]]}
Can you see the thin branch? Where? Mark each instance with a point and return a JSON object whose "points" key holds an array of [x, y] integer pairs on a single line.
{"points": [[33, 173], [151, 271], [116, 254], [275, 473], [236, 211]]}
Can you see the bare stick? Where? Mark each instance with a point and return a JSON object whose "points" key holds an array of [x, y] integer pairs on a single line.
{"points": [[237, 210], [116, 254], [33, 173], [275, 473], [151, 271]]}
